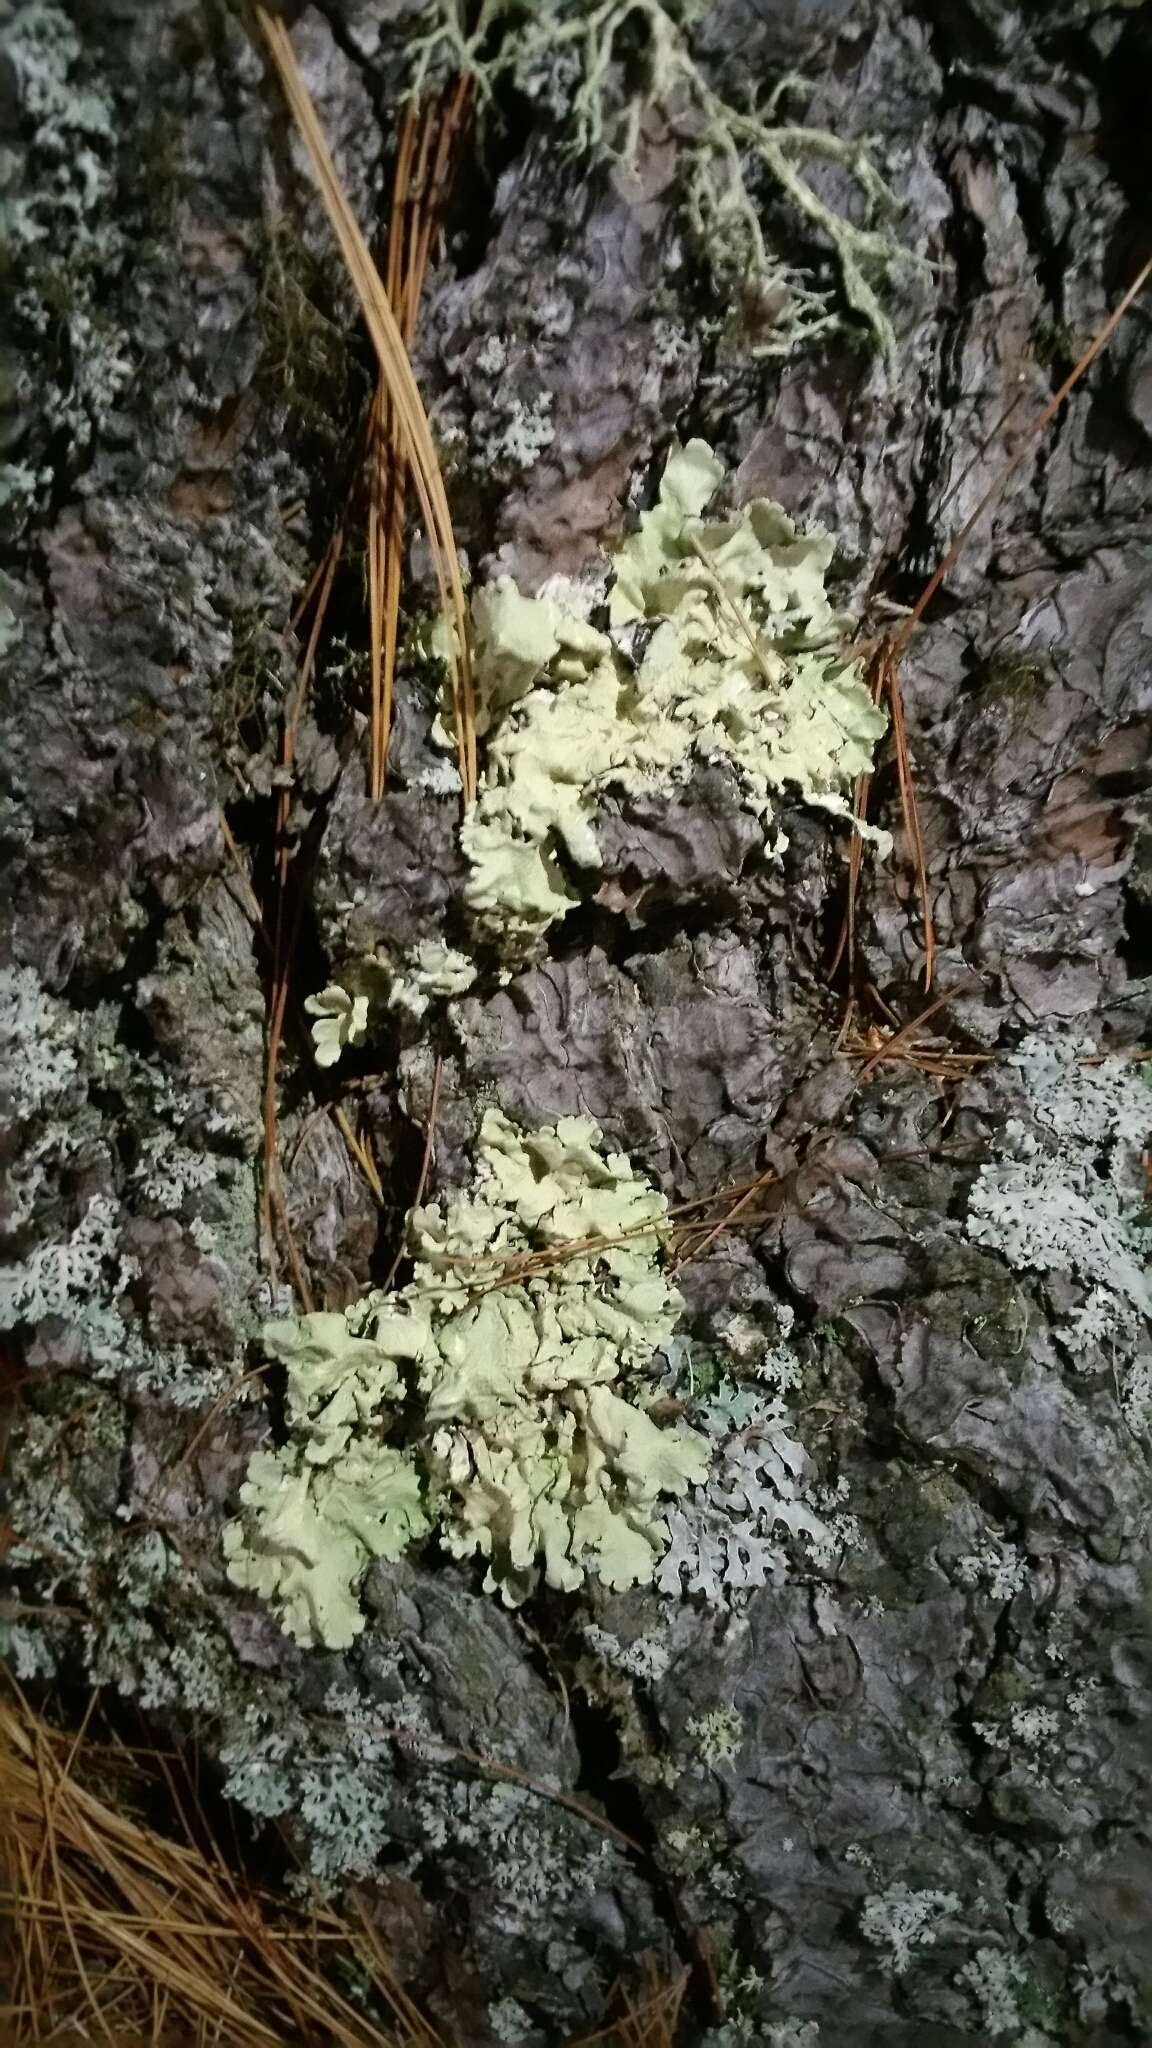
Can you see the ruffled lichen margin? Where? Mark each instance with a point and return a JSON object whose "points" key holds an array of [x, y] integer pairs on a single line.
{"points": [[497, 1398], [719, 644]]}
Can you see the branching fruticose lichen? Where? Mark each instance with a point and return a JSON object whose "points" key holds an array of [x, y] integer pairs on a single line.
{"points": [[721, 645], [579, 61], [501, 1411]]}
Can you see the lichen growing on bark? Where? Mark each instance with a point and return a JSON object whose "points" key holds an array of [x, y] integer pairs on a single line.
{"points": [[69, 359], [532, 1447], [953, 1705], [1066, 1196], [579, 64], [720, 645]]}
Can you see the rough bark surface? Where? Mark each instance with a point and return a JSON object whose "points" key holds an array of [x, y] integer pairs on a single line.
{"points": [[930, 1825]]}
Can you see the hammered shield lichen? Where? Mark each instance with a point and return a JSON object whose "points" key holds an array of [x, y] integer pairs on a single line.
{"points": [[498, 1397], [720, 645]]}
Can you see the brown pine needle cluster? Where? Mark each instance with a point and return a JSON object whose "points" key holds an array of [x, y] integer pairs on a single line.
{"points": [[908, 1044], [411, 421], [424, 158], [698, 1222], [884, 681], [120, 1933], [652, 2022], [396, 447]]}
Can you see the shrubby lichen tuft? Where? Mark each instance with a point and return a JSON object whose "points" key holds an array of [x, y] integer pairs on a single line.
{"points": [[599, 71], [716, 1737], [995, 1568], [995, 1980], [899, 1920], [511, 2024]]}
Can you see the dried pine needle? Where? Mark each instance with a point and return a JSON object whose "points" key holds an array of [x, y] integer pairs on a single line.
{"points": [[122, 1934], [412, 426]]}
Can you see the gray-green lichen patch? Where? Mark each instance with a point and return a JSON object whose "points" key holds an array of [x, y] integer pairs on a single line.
{"points": [[610, 75], [65, 359], [1065, 1195], [139, 1269], [730, 1536], [507, 1412], [720, 645]]}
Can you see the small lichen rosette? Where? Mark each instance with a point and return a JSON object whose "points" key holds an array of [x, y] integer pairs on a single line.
{"points": [[341, 1019], [720, 645], [498, 1398]]}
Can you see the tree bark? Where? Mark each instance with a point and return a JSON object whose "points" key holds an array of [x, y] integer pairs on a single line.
{"points": [[931, 1825]]}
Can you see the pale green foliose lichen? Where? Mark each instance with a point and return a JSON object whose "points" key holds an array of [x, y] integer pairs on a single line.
{"points": [[721, 645], [341, 1019], [316, 1531], [408, 983], [428, 971], [532, 1449]]}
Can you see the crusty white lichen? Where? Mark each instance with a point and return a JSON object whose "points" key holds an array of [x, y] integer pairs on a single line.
{"points": [[62, 243], [720, 644], [1065, 1194], [898, 1920], [524, 1439]]}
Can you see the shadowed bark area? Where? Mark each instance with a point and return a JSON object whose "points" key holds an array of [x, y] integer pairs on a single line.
{"points": [[896, 1793]]}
